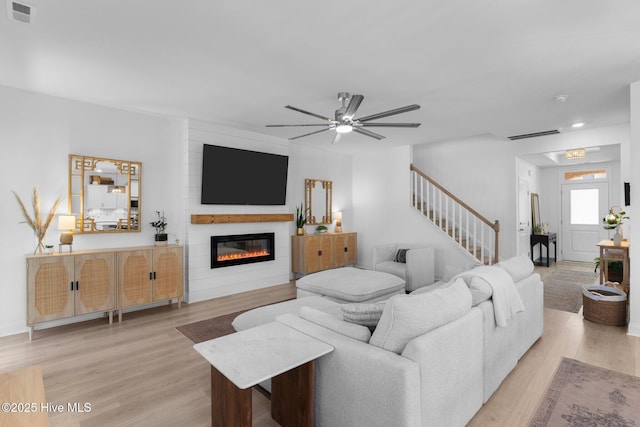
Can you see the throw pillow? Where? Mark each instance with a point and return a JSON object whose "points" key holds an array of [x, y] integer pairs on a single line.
{"points": [[358, 332], [518, 267], [366, 314], [406, 317], [401, 256]]}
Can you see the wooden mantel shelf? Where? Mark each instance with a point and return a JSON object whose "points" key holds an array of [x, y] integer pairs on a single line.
{"points": [[234, 218]]}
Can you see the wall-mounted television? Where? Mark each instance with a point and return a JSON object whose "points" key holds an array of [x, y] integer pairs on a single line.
{"points": [[231, 176]]}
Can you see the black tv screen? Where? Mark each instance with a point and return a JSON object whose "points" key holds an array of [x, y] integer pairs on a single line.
{"points": [[231, 176]]}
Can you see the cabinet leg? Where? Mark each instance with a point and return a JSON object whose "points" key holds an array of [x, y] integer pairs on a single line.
{"points": [[179, 303], [30, 333], [119, 316], [111, 317]]}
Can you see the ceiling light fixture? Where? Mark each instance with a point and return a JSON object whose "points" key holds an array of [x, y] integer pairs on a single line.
{"points": [[578, 153], [562, 98], [344, 128], [577, 125]]}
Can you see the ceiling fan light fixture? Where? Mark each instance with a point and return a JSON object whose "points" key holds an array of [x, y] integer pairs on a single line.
{"points": [[344, 128]]}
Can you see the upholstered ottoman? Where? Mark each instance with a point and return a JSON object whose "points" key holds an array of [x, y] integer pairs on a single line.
{"points": [[348, 285]]}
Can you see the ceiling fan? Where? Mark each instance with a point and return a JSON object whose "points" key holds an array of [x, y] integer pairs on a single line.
{"points": [[345, 122]]}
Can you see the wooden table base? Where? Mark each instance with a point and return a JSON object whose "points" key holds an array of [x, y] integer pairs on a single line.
{"points": [[292, 399], [230, 406]]}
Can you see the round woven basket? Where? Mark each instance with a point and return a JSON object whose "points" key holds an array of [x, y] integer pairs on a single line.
{"points": [[605, 305]]}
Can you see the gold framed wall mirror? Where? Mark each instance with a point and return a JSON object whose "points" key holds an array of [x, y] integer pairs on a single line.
{"points": [[104, 194], [317, 201], [536, 222]]}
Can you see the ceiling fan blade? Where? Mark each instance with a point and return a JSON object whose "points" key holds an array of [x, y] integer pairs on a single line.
{"points": [[311, 133], [392, 125], [354, 103], [336, 138], [368, 133], [389, 113], [283, 126], [307, 112]]}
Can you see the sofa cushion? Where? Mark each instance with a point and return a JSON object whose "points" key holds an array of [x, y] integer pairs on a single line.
{"points": [[367, 314], [480, 290], [358, 332], [268, 313], [350, 284], [518, 267], [408, 316]]}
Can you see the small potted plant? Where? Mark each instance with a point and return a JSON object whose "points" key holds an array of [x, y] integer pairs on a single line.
{"points": [[48, 249], [301, 220], [321, 229], [160, 225]]}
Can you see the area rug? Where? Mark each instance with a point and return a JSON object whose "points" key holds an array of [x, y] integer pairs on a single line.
{"points": [[563, 289], [586, 395], [209, 329]]}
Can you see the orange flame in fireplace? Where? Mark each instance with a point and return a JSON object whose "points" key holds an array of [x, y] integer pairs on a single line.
{"points": [[241, 255]]}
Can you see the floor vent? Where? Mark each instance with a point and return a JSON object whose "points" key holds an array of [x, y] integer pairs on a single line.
{"points": [[20, 12], [534, 135]]}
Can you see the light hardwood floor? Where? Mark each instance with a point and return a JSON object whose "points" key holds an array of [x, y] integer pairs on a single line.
{"points": [[143, 372]]}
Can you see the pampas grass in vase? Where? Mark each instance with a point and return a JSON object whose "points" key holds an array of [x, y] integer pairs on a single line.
{"points": [[38, 224]]}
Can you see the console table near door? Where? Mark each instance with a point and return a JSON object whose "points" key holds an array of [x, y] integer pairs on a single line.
{"points": [[246, 358], [544, 240]]}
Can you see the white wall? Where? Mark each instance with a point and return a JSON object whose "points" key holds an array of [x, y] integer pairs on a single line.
{"points": [[204, 282], [37, 134], [481, 171], [530, 174], [631, 156], [383, 212]]}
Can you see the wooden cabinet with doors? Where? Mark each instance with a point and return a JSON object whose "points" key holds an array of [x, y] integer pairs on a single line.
{"points": [[66, 285], [71, 284], [345, 249], [318, 252], [148, 275]]}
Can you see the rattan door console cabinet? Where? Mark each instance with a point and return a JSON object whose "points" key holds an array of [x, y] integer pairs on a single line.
{"points": [[75, 283], [317, 252]]}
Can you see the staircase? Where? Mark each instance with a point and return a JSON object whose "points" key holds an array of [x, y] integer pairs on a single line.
{"points": [[469, 230]]}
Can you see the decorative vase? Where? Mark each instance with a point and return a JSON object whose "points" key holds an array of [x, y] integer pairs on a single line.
{"points": [[617, 238]]}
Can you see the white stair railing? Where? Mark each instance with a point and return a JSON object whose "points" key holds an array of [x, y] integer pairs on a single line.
{"points": [[470, 230]]}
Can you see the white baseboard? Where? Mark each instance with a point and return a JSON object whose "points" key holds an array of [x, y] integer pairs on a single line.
{"points": [[13, 328], [634, 329]]}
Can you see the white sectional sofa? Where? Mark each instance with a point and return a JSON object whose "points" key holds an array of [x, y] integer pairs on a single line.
{"points": [[440, 376]]}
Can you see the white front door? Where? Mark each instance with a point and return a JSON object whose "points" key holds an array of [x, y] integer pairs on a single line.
{"points": [[583, 207]]}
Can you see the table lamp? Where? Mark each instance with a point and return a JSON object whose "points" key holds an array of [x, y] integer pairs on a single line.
{"points": [[66, 222], [338, 217]]}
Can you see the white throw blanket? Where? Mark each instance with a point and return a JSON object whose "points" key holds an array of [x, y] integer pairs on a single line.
{"points": [[506, 299]]}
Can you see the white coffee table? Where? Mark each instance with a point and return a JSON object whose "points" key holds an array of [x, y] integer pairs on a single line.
{"points": [[244, 359]]}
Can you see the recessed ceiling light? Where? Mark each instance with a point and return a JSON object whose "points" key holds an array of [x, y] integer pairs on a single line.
{"points": [[577, 125], [562, 98]]}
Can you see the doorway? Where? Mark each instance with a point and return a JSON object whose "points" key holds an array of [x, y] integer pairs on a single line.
{"points": [[583, 204]]}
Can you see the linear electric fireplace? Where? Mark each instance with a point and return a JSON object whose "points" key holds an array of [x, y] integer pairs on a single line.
{"points": [[242, 249]]}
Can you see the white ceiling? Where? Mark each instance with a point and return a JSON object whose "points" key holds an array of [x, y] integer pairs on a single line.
{"points": [[474, 67]]}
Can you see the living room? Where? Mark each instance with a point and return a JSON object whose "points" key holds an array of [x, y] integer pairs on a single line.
{"points": [[40, 128]]}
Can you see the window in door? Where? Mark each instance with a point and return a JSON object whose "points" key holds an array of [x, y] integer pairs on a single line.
{"points": [[585, 175], [585, 206]]}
